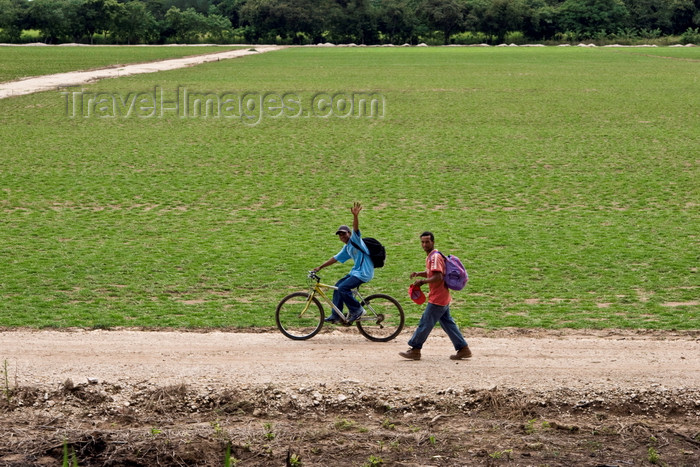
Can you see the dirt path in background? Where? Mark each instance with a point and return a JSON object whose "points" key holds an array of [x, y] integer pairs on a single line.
{"points": [[75, 78], [556, 398]]}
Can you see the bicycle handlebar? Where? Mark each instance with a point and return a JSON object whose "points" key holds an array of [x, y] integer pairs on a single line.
{"points": [[314, 276]]}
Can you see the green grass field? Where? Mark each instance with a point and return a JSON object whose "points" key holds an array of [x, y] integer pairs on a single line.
{"points": [[21, 62], [565, 178]]}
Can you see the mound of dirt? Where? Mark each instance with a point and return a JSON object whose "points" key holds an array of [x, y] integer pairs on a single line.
{"points": [[345, 424]]}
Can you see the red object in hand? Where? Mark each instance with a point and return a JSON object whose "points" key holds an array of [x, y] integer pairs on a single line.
{"points": [[416, 294]]}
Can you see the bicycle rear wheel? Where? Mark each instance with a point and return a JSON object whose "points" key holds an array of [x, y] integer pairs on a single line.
{"points": [[383, 320], [297, 317]]}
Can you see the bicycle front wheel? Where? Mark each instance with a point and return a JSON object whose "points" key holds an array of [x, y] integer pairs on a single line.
{"points": [[299, 316], [383, 320]]}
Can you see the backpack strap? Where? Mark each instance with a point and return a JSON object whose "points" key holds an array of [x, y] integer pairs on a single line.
{"points": [[445, 259], [360, 250]]}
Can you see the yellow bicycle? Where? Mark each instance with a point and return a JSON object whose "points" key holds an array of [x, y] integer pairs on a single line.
{"points": [[300, 315]]}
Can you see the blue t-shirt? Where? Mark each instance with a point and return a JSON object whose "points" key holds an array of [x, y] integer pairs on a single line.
{"points": [[363, 268]]}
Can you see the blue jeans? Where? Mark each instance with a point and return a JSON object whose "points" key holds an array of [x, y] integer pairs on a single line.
{"points": [[343, 295], [432, 315]]}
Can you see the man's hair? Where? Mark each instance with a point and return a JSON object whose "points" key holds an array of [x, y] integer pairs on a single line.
{"points": [[428, 234]]}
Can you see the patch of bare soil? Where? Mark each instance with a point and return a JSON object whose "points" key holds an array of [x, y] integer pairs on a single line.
{"points": [[526, 398]]}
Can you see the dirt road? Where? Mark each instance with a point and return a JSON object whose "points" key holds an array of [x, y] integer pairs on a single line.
{"points": [[75, 78], [555, 398], [534, 360]]}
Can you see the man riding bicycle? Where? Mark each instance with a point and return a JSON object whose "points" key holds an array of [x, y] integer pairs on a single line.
{"points": [[361, 272]]}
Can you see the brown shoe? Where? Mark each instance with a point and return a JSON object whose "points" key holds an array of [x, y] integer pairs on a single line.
{"points": [[411, 354], [464, 352]]}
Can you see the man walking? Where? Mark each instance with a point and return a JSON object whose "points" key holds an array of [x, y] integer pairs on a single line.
{"points": [[438, 309], [362, 270]]}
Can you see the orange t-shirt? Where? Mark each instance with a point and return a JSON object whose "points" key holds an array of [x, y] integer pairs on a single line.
{"points": [[439, 293]]}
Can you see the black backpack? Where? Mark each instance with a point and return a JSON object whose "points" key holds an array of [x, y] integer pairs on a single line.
{"points": [[377, 252]]}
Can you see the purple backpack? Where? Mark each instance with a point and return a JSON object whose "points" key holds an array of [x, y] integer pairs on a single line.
{"points": [[456, 276]]}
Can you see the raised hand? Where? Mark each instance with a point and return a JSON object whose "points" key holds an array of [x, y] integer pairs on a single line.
{"points": [[356, 208]]}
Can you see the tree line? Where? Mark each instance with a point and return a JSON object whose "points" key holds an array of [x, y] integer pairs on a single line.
{"points": [[347, 21]]}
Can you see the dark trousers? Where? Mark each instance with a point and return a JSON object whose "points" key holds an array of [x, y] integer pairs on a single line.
{"points": [[343, 294]]}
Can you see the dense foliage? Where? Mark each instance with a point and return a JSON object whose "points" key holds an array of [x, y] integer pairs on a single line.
{"points": [[346, 21]]}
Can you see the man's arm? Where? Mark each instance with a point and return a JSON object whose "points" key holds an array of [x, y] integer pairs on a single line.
{"points": [[327, 263], [355, 209], [436, 277]]}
